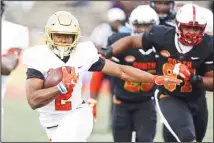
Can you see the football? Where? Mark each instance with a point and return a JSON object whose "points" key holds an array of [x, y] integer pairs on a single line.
{"points": [[54, 76]]}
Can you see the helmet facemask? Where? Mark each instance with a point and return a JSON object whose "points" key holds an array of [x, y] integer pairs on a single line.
{"points": [[62, 49], [141, 28], [191, 25], [190, 39]]}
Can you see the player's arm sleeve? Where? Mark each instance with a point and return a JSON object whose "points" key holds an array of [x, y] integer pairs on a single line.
{"points": [[98, 66], [32, 64], [207, 73], [33, 73], [207, 66]]}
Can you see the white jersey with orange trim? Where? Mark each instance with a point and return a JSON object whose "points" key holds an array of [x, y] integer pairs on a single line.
{"points": [[84, 56]]}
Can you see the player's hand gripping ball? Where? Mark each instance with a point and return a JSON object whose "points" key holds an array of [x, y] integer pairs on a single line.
{"points": [[65, 74]]}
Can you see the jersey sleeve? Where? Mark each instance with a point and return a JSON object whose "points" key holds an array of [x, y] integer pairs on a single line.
{"points": [[98, 66], [89, 57], [157, 37], [33, 73], [32, 61], [207, 65]]}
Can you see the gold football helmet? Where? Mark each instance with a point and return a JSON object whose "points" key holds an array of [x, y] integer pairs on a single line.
{"points": [[62, 22]]}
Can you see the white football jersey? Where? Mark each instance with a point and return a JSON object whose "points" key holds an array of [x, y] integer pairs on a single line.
{"points": [[42, 59]]}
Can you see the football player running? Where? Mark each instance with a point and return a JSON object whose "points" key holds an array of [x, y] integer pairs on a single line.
{"points": [[134, 107], [63, 113], [185, 53]]}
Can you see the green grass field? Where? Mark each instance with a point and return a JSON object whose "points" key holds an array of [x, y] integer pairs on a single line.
{"points": [[21, 123]]}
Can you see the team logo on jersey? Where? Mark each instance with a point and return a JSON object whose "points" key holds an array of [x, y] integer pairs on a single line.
{"points": [[165, 53], [194, 58], [129, 59]]}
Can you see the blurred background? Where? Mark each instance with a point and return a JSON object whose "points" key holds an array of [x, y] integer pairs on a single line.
{"points": [[21, 123]]}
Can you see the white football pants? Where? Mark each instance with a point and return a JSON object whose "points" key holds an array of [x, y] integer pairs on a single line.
{"points": [[75, 126]]}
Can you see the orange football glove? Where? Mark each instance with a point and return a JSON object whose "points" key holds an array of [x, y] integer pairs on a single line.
{"points": [[182, 70], [93, 104], [161, 80], [69, 79]]}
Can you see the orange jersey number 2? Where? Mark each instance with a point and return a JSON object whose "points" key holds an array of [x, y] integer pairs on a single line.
{"points": [[62, 103]]}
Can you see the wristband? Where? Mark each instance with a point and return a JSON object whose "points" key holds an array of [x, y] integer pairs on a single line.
{"points": [[62, 88]]}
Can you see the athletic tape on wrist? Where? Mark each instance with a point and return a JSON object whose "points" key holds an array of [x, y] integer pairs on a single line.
{"points": [[62, 88]]}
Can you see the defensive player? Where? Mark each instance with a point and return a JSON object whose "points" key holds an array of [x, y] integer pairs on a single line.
{"points": [[63, 113], [134, 107], [185, 53], [165, 11]]}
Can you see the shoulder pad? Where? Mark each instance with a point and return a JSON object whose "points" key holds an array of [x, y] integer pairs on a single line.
{"points": [[32, 61], [116, 36], [86, 55], [160, 30], [162, 34], [88, 49]]}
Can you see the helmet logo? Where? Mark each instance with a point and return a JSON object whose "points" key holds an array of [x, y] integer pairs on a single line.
{"points": [[64, 20]]}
